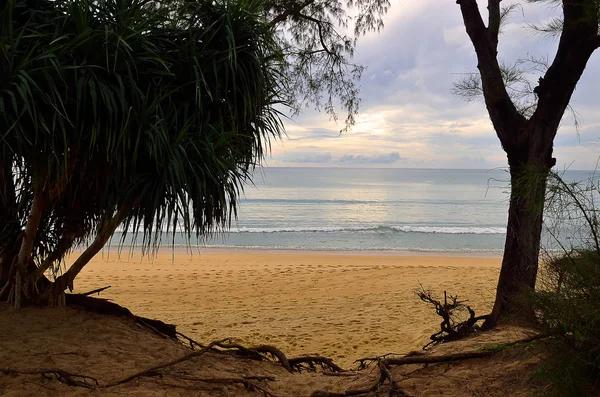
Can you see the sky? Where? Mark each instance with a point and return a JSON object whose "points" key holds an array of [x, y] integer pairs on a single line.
{"points": [[408, 116]]}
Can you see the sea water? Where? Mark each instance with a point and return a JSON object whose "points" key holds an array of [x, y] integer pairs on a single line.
{"points": [[366, 209], [372, 209]]}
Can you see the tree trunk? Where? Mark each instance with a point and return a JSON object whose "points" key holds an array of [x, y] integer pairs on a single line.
{"points": [[54, 292], [24, 257], [523, 234], [9, 223]]}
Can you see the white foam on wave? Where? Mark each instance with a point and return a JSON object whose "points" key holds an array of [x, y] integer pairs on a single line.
{"points": [[376, 229]]}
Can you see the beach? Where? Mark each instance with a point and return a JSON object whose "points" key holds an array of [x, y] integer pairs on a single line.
{"points": [[344, 305]]}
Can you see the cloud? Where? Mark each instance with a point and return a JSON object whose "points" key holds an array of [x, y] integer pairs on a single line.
{"points": [[373, 159], [407, 106], [307, 158]]}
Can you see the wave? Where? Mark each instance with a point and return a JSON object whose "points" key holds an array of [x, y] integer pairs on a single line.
{"points": [[344, 249], [376, 229]]}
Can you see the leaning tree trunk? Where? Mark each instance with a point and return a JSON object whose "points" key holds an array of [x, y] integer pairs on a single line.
{"points": [[523, 234], [54, 293], [21, 268]]}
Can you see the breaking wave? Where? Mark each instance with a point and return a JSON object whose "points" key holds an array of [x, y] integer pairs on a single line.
{"points": [[375, 229]]}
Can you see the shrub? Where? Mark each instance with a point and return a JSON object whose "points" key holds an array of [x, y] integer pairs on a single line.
{"points": [[567, 299]]}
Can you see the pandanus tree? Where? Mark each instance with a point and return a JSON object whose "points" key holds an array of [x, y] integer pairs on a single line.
{"points": [[142, 115]]}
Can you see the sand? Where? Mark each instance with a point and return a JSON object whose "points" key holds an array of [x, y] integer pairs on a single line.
{"points": [[55, 340], [342, 305]]}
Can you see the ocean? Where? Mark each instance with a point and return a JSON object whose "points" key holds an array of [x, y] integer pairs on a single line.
{"points": [[370, 209], [367, 209]]}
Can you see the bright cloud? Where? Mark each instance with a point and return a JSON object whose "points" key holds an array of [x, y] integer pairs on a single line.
{"points": [[409, 117]]}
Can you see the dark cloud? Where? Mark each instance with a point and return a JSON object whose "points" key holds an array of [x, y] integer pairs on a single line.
{"points": [[389, 158]]}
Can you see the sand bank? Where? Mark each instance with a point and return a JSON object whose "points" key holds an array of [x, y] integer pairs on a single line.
{"points": [[343, 305]]}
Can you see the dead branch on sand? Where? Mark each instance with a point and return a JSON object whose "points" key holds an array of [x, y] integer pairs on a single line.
{"points": [[450, 329]]}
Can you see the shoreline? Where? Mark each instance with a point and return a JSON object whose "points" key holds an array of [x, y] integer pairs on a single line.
{"points": [[131, 250]]}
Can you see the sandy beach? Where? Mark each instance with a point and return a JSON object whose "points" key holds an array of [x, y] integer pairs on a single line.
{"points": [[344, 305]]}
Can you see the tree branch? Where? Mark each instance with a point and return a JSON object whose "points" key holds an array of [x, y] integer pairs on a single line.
{"points": [[321, 37], [505, 117], [295, 9], [578, 40], [494, 21]]}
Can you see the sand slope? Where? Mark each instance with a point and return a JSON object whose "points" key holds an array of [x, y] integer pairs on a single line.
{"points": [[110, 348]]}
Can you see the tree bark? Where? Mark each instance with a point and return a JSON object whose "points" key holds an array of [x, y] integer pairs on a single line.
{"points": [[522, 245], [528, 142], [54, 292], [33, 222], [9, 223]]}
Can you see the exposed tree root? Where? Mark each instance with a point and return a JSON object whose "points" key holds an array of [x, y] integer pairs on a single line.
{"points": [[193, 343], [385, 375], [96, 291], [262, 352], [242, 351], [309, 363], [275, 352], [385, 362], [152, 370], [58, 374]]}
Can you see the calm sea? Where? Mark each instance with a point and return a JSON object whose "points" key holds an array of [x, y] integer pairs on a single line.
{"points": [[373, 210]]}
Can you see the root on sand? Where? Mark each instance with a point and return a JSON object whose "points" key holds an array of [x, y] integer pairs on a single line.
{"points": [[386, 383], [384, 364]]}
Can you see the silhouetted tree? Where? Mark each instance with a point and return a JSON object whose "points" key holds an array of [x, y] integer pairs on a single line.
{"points": [[526, 129]]}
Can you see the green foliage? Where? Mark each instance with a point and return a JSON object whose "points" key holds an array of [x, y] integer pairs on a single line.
{"points": [[568, 296], [318, 51], [153, 114], [148, 113]]}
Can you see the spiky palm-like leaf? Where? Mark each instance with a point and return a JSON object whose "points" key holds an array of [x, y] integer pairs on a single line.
{"points": [[131, 111]]}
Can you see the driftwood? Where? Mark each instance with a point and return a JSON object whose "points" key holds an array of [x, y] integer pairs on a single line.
{"points": [[450, 329]]}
